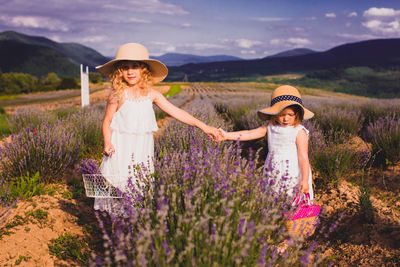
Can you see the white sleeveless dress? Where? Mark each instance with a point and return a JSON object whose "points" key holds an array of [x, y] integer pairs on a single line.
{"points": [[132, 128], [282, 161]]}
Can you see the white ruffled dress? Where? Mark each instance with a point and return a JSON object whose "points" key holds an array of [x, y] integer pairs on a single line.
{"points": [[132, 128], [282, 163]]}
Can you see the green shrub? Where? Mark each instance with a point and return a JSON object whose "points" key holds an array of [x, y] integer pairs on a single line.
{"points": [[68, 83], [173, 90], [68, 246], [25, 187]]}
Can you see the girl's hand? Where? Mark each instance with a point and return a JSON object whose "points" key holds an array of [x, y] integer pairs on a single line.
{"points": [[211, 132], [304, 187], [108, 150], [222, 135]]}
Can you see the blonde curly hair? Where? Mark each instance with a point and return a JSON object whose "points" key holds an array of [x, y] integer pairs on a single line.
{"points": [[118, 84]]}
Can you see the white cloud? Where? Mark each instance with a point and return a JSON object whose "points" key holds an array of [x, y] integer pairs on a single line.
{"points": [[136, 20], [276, 41], [247, 52], [381, 12], [94, 39], [164, 47], [290, 42], [202, 46], [186, 25], [299, 41], [35, 22], [352, 14], [384, 21], [245, 43], [330, 15]]}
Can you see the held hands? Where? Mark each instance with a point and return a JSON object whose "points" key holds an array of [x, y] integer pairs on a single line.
{"points": [[222, 135], [215, 134]]}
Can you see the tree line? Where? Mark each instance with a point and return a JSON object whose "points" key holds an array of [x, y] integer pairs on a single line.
{"points": [[22, 83]]}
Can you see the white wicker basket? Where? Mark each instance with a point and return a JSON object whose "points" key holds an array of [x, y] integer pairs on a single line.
{"points": [[97, 186]]}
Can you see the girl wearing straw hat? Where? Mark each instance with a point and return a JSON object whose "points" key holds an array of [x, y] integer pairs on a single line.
{"points": [[129, 120], [287, 140]]}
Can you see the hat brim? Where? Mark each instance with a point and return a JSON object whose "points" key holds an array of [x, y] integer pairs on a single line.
{"points": [[158, 70], [267, 113]]}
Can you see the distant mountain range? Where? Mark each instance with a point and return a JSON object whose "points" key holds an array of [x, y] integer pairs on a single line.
{"points": [[39, 56], [379, 53], [176, 59]]}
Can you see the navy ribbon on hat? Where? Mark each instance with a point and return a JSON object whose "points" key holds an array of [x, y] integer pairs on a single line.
{"points": [[286, 98]]}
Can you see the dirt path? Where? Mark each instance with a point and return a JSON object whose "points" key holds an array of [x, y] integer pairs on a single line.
{"points": [[62, 99], [33, 224]]}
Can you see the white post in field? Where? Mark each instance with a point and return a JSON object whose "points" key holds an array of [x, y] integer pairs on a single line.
{"points": [[85, 86]]}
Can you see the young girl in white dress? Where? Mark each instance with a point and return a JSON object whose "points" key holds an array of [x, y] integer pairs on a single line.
{"points": [[287, 140], [129, 121]]}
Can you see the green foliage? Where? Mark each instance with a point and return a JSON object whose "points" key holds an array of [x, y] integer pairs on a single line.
{"points": [[95, 78], [21, 258], [173, 90], [68, 83], [34, 216], [25, 187], [37, 216], [68, 246], [365, 207], [4, 129], [381, 83], [50, 82], [17, 83]]}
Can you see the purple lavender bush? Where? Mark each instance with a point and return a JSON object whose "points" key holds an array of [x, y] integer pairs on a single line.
{"points": [[331, 159], [29, 117], [87, 125], [49, 150], [384, 135]]}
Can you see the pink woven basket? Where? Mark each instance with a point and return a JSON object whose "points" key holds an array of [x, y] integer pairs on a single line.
{"points": [[305, 208]]}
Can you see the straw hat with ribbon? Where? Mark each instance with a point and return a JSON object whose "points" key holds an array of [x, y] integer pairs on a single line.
{"points": [[135, 52], [281, 98]]}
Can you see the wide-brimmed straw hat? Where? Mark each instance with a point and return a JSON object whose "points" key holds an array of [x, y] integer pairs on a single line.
{"points": [[281, 98], [135, 52]]}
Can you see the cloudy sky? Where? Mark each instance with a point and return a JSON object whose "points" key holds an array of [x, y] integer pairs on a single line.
{"points": [[243, 28]]}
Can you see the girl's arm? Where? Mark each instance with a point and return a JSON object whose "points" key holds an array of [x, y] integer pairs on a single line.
{"points": [[112, 106], [244, 135], [304, 164], [182, 115]]}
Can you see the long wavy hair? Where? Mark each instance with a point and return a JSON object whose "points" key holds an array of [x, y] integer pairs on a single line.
{"points": [[118, 84]]}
